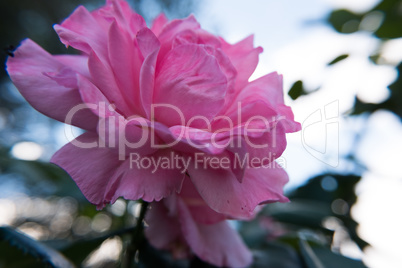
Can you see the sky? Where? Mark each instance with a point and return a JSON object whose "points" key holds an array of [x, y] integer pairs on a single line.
{"points": [[299, 45]]}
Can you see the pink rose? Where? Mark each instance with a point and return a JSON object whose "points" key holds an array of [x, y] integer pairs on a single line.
{"points": [[161, 106]]}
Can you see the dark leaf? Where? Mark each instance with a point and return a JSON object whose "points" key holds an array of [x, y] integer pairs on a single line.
{"points": [[338, 59], [361, 107], [78, 250], [152, 257], [296, 90], [374, 58], [319, 257], [252, 232], [300, 212], [12, 257], [309, 257], [276, 255], [344, 21], [391, 26], [328, 187], [393, 103], [34, 248]]}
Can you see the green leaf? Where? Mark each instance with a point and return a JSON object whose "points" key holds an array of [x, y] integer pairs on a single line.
{"points": [[320, 257], [296, 90], [252, 232], [391, 26], [78, 250], [310, 258], [152, 257], [374, 58], [303, 213], [338, 59], [34, 248], [12, 257], [360, 107], [344, 21], [328, 187], [276, 255], [393, 103]]}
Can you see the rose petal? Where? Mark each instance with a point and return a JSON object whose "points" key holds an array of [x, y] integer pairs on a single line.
{"points": [[162, 231], [83, 32], [225, 194], [263, 97], [217, 243], [190, 83], [125, 62], [78, 63], [200, 211], [104, 79], [158, 24], [171, 29], [120, 12], [90, 167], [244, 57], [149, 47], [47, 84], [142, 178]]}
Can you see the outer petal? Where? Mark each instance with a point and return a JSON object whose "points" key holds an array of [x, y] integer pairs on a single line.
{"points": [[217, 243], [162, 231], [119, 11], [244, 57], [142, 178], [267, 89], [82, 31], [225, 194], [192, 83], [78, 63], [200, 211], [104, 35], [47, 84], [91, 167]]}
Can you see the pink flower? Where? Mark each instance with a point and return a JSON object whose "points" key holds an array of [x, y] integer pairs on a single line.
{"points": [[184, 221], [161, 106]]}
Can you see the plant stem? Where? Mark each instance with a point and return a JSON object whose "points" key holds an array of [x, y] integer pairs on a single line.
{"points": [[136, 238]]}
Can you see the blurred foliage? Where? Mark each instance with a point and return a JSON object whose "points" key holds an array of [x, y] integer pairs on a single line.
{"points": [[393, 103], [384, 22], [306, 227], [322, 206]]}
